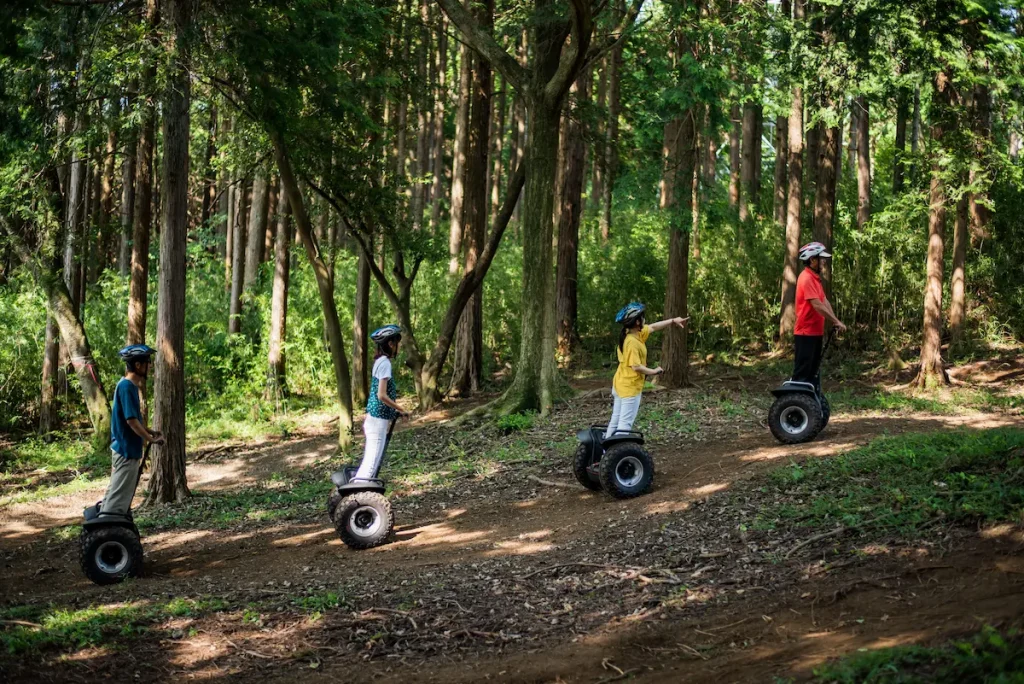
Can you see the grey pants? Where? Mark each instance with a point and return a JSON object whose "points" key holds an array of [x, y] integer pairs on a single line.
{"points": [[124, 473]]}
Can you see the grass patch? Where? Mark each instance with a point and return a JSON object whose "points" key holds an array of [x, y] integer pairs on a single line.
{"points": [[64, 628], [989, 656], [947, 401], [906, 480]]}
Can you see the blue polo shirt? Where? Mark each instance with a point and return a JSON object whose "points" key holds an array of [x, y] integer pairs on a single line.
{"points": [[123, 439]]}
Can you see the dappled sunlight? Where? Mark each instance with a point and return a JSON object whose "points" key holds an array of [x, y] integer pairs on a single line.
{"points": [[665, 507], [442, 535], [1007, 531], [708, 489], [518, 548], [304, 539]]}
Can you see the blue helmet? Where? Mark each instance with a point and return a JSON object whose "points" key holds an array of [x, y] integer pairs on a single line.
{"points": [[388, 332], [630, 313], [136, 352]]}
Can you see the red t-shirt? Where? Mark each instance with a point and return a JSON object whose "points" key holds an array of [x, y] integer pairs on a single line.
{"points": [[808, 287]]}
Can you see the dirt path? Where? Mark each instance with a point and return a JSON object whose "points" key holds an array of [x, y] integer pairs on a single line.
{"points": [[499, 577]]}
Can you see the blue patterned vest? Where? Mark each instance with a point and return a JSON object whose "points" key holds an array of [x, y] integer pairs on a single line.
{"points": [[375, 407]]}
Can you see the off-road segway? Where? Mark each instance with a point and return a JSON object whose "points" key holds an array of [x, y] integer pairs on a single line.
{"points": [[800, 410], [619, 465], [360, 512], [110, 547]]}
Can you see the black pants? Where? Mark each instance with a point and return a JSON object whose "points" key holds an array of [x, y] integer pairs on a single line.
{"points": [[806, 357]]}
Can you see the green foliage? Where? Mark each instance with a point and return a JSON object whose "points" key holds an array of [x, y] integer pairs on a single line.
{"points": [[990, 656], [515, 422], [906, 480]]}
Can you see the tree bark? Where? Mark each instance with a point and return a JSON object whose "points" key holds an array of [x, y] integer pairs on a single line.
{"points": [[127, 207], [863, 162], [794, 206], [277, 378], [497, 150], [811, 168], [361, 332], [168, 481], [680, 160], [957, 305], [781, 157], [325, 287], [900, 151], [456, 229], [735, 156], [257, 230], [469, 361], [825, 195], [74, 222], [143, 219], [238, 240], [611, 149], [209, 174], [932, 371], [106, 197], [748, 193], [440, 97], [419, 188], [48, 414], [600, 138], [571, 196], [980, 214]]}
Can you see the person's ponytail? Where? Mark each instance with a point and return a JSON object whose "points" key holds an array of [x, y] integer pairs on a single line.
{"points": [[622, 337]]}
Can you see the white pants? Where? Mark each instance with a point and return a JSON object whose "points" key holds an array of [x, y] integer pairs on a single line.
{"points": [[623, 414], [376, 431]]}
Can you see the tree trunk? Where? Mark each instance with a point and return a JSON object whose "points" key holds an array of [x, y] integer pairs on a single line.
{"points": [[915, 132], [825, 195], [961, 236], [234, 187], [209, 174], [781, 155], [325, 287], [224, 202], [106, 197], [813, 137], [735, 157], [127, 205], [599, 154], [497, 149], [273, 210], [168, 482], [611, 150], [680, 159], [456, 228], [851, 147], [440, 97], [237, 263], [757, 156], [900, 151], [932, 371], [277, 378], [571, 196], [48, 414], [863, 162], [748, 193], [980, 214], [257, 230], [74, 221], [794, 205], [469, 361], [419, 188], [361, 332], [143, 219]]}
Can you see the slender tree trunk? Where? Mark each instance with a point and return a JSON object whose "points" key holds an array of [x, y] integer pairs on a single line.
{"points": [[611, 150], [497, 147], [811, 168], [571, 196], [237, 263], [932, 371], [273, 211], [900, 151], [457, 229], [127, 203], [915, 132], [794, 205], [257, 231], [851, 148], [863, 162], [224, 203], [781, 156], [440, 97], [748, 194], [277, 378], [600, 137], [74, 222], [824, 200], [469, 362], [680, 159], [755, 195], [419, 189], [361, 332], [209, 175], [168, 482], [325, 287], [980, 214], [234, 188], [957, 307], [735, 157], [106, 199], [48, 414]]}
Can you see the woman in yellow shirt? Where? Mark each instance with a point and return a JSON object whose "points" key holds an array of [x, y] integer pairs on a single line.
{"points": [[628, 383]]}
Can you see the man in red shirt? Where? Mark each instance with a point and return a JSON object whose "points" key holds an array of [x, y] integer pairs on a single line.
{"points": [[812, 308]]}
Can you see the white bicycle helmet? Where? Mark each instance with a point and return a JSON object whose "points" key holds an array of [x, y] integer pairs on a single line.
{"points": [[811, 250]]}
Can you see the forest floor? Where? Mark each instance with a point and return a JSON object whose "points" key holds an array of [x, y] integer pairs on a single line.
{"points": [[504, 569]]}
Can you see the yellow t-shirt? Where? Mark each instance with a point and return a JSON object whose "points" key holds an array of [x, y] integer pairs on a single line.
{"points": [[627, 382]]}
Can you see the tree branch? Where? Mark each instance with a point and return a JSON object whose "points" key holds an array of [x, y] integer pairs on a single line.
{"points": [[618, 34], [484, 43], [582, 26]]}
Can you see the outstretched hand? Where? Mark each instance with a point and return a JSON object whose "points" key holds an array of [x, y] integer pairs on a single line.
{"points": [[158, 438], [681, 322], [841, 326]]}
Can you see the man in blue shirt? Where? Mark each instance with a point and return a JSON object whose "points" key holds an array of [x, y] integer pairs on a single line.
{"points": [[128, 433]]}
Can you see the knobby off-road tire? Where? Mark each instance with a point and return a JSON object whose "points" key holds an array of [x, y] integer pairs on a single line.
{"points": [[579, 468], [332, 503], [110, 555], [626, 470], [364, 520], [826, 411], [795, 418]]}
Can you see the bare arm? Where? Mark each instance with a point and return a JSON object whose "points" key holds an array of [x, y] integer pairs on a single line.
{"points": [[660, 325], [147, 435], [825, 309], [644, 370]]}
